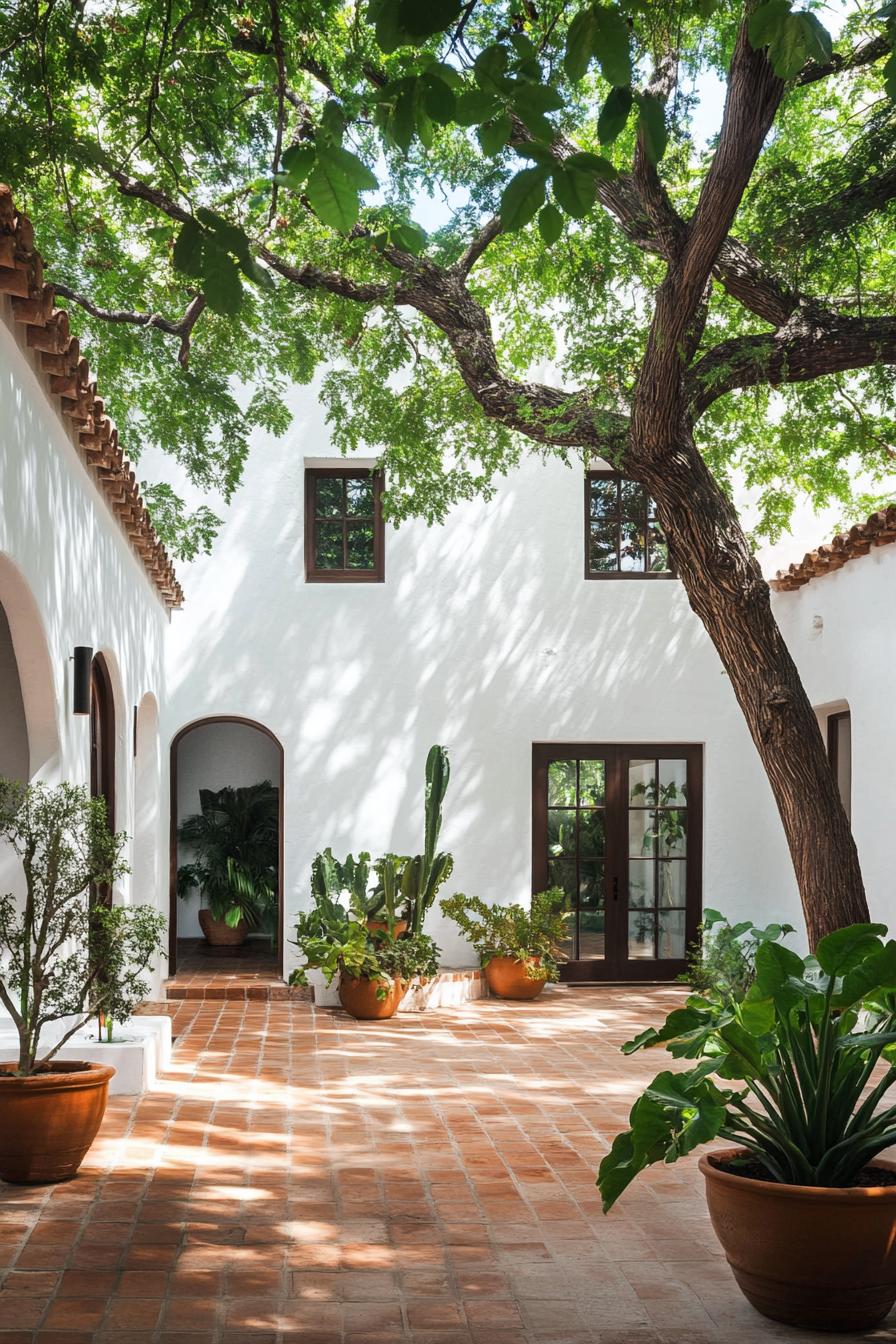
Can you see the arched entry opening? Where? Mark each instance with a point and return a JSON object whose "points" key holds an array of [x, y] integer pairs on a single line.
{"points": [[102, 748], [220, 766], [29, 729], [14, 752]]}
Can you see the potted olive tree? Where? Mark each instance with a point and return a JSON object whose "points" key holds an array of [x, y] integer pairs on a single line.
{"points": [[62, 961], [517, 948], [234, 839], [794, 1072]]}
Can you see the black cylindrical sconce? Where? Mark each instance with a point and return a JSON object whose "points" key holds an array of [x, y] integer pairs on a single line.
{"points": [[83, 661]]}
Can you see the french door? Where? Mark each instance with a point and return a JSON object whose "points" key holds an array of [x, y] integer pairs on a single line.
{"points": [[619, 829]]}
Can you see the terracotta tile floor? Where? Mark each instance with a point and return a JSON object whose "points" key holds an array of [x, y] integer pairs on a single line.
{"points": [[300, 1176], [251, 972]]}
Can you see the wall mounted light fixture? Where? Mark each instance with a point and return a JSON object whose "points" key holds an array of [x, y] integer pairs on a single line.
{"points": [[83, 660]]}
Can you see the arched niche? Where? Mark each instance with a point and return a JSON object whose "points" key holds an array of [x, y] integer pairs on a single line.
{"points": [[145, 869]]}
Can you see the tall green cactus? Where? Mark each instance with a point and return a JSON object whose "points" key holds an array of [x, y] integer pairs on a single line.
{"points": [[425, 873]]}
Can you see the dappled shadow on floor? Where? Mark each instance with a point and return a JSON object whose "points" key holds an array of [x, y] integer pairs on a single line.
{"points": [[300, 1176]]}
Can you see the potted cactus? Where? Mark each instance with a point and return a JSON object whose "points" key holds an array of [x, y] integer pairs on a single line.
{"points": [[63, 960]]}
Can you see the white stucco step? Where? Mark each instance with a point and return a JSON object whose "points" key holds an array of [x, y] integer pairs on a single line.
{"points": [[138, 1052], [450, 988]]}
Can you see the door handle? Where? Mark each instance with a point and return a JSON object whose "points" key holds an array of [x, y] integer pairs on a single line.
{"points": [[615, 888]]}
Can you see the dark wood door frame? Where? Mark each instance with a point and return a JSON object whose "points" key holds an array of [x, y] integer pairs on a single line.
{"points": [[172, 827], [616, 858], [102, 750]]}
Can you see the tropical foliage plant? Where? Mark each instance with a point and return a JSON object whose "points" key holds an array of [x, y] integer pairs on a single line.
{"points": [[811, 1049], [531, 936], [722, 963], [336, 941], [235, 843], [62, 957], [416, 880]]}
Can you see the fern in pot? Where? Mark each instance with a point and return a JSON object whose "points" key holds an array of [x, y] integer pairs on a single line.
{"points": [[795, 1072]]}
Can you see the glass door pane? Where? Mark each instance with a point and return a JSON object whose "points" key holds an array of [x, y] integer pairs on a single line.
{"points": [[657, 857], [576, 836]]}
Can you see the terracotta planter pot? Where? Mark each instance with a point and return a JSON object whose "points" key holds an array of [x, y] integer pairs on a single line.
{"points": [[381, 925], [508, 979], [358, 997], [48, 1121], [808, 1256], [219, 933]]}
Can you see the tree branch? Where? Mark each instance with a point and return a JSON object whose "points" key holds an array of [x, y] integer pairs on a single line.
{"points": [[809, 346], [866, 54], [183, 327]]}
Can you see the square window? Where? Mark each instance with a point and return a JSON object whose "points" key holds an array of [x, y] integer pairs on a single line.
{"points": [[622, 537], [344, 530]]}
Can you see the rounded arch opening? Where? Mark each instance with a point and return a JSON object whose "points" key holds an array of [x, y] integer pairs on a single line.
{"points": [[28, 703], [232, 753]]}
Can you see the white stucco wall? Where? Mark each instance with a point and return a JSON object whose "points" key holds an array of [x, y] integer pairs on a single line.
{"points": [[840, 629], [68, 576], [485, 637], [217, 756]]}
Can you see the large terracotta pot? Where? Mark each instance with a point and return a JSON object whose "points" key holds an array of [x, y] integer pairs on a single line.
{"points": [[48, 1121], [382, 926], [809, 1256], [359, 998], [508, 979], [219, 933]]}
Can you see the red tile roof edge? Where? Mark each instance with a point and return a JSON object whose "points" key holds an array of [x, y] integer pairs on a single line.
{"points": [[69, 381], [878, 530]]}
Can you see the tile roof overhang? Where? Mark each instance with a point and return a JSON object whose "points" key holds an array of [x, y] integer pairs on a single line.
{"points": [[70, 384], [878, 530]]}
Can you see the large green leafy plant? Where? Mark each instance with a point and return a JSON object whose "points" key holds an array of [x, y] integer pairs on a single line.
{"points": [[336, 941], [531, 936], [235, 843], [60, 956], [723, 961], [802, 1046]]}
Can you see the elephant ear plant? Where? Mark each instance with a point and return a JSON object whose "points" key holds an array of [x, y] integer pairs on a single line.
{"points": [[801, 1045], [62, 957]]}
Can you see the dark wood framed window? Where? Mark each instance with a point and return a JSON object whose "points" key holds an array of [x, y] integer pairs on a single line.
{"points": [[619, 829], [623, 539], [344, 531], [839, 735]]}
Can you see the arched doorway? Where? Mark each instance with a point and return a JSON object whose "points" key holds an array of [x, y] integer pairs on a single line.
{"points": [[221, 752], [102, 748]]}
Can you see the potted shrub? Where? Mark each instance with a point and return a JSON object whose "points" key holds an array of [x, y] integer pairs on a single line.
{"points": [[62, 961], [803, 1205], [374, 968], [517, 947], [235, 844]]}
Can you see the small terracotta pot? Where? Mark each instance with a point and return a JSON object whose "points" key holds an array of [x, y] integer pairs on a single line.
{"points": [[219, 933], [818, 1258], [359, 998], [508, 979], [382, 926], [48, 1121]]}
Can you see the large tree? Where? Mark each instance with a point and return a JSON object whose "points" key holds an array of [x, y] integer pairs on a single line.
{"points": [[228, 192]]}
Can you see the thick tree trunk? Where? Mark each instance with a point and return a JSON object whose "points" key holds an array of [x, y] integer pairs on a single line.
{"points": [[727, 591]]}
